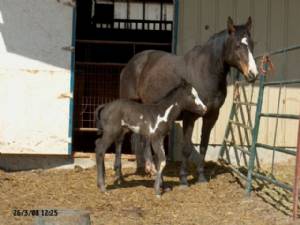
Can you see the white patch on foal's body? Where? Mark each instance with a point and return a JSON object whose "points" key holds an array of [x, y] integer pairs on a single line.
{"points": [[251, 62], [197, 99], [160, 119], [141, 117], [135, 129]]}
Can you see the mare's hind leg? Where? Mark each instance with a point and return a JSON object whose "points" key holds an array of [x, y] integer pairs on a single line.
{"points": [[188, 125], [118, 161], [102, 144], [159, 151]]}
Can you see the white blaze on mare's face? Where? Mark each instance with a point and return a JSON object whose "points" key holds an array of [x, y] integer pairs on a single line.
{"points": [[160, 119], [251, 62], [135, 129], [197, 99]]}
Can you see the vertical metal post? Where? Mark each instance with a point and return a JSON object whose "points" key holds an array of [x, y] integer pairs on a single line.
{"points": [[72, 81], [297, 175], [255, 130]]}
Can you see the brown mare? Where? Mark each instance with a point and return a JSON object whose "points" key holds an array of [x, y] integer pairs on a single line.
{"points": [[150, 75]]}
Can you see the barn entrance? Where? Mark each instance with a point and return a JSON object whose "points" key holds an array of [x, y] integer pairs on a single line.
{"points": [[108, 34]]}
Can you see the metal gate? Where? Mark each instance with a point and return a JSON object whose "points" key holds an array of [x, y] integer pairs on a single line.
{"points": [[234, 140]]}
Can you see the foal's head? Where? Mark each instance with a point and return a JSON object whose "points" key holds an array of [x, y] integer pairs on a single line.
{"points": [[239, 49], [190, 100]]}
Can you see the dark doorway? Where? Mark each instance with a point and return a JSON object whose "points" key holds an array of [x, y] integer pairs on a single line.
{"points": [[108, 34]]}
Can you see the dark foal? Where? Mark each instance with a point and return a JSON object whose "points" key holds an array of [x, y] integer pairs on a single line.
{"points": [[153, 121]]}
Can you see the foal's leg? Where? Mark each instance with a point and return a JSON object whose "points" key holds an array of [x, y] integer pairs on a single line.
{"points": [[102, 144], [188, 125], [149, 162], [118, 161], [208, 123], [159, 151]]}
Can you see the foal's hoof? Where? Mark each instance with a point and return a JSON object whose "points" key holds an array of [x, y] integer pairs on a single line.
{"points": [[102, 188], [158, 196]]}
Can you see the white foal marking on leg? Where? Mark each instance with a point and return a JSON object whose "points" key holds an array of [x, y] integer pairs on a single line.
{"points": [[141, 117], [135, 129], [162, 166], [197, 99], [160, 119], [251, 62]]}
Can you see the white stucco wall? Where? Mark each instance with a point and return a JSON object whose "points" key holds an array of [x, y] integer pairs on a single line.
{"points": [[34, 76]]}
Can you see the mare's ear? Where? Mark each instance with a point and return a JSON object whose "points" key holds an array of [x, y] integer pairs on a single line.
{"points": [[249, 24], [230, 25]]}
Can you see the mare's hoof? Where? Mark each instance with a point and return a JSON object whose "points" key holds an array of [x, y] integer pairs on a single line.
{"points": [[183, 186], [184, 182], [201, 179], [167, 188]]}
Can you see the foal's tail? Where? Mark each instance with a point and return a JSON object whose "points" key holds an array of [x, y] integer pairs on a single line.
{"points": [[97, 118]]}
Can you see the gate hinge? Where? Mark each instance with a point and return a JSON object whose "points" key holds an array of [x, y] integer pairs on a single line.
{"points": [[66, 95]]}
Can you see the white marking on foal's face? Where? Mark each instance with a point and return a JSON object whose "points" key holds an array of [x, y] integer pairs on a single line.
{"points": [[141, 117], [197, 99], [251, 62], [160, 119], [135, 129]]}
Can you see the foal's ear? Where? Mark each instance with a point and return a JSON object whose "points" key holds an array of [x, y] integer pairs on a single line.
{"points": [[249, 23], [230, 25]]}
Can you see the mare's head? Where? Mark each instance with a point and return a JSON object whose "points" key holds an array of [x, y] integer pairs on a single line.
{"points": [[190, 100], [239, 49]]}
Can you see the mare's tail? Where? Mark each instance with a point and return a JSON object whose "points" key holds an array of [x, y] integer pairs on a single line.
{"points": [[97, 118]]}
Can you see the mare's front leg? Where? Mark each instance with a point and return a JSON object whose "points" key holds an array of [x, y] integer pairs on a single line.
{"points": [[159, 151], [102, 144], [188, 126], [118, 159], [209, 121]]}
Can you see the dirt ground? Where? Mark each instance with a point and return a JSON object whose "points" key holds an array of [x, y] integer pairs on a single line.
{"points": [[220, 201]]}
